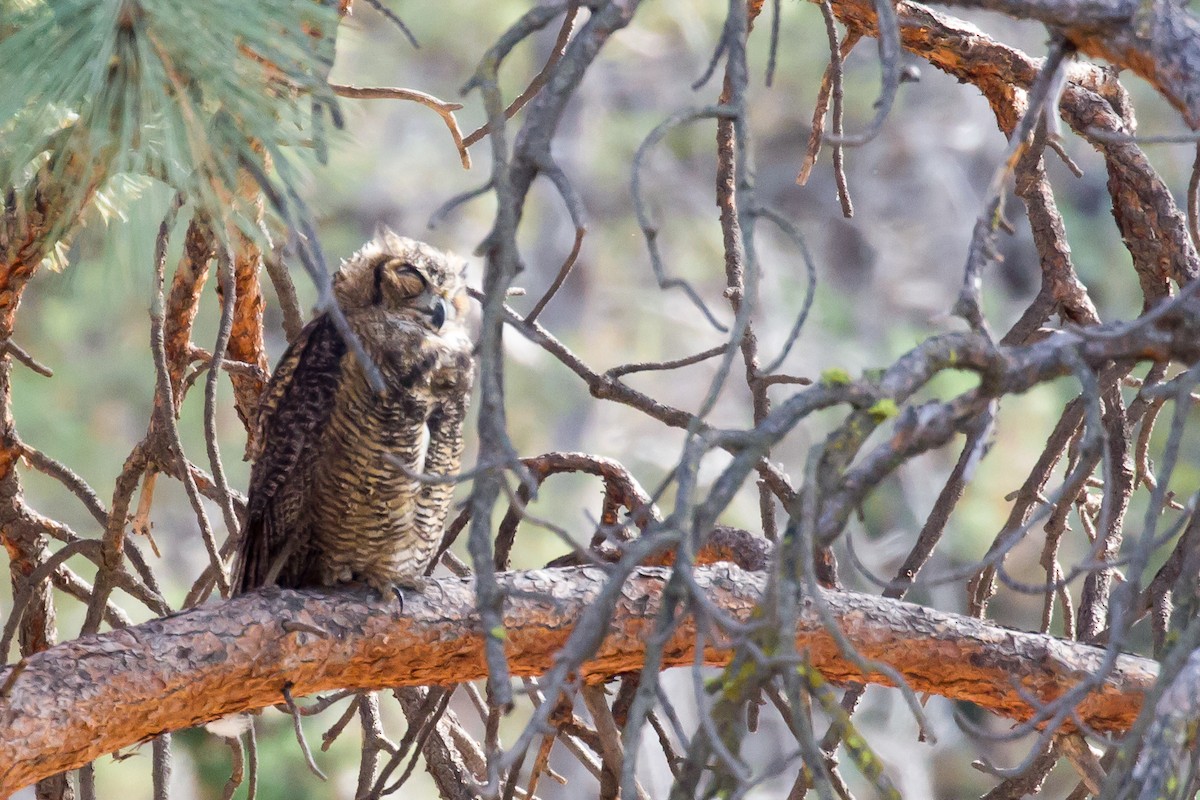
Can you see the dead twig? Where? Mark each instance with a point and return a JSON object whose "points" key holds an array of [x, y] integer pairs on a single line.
{"points": [[443, 109]]}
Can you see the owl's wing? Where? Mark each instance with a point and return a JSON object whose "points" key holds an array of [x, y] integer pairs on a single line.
{"points": [[291, 421]]}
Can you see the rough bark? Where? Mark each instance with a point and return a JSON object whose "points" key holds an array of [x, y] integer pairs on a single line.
{"points": [[65, 707], [1160, 41], [183, 303], [246, 342], [26, 224]]}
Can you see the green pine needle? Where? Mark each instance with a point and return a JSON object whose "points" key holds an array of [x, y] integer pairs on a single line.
{"points": [[182, 92]]}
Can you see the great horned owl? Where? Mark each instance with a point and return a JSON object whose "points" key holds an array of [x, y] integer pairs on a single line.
{"points": [[332, 494]]}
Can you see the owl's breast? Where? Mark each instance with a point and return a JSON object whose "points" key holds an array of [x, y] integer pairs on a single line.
{"points": [[364, 500]]}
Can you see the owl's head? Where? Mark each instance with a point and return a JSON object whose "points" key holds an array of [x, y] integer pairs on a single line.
{"points": [[405, 276]]}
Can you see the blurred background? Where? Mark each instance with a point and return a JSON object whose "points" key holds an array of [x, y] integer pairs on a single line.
{"points": [[886, 280]]}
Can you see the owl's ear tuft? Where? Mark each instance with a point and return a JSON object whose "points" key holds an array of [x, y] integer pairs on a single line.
{"points": [[384, 236]]}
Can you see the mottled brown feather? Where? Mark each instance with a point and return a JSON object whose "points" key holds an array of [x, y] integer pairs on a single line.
{"points": [[292, 418], [332, 497]]}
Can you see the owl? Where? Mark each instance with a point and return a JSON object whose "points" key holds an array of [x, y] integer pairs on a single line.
{"points": [[334, 492]]}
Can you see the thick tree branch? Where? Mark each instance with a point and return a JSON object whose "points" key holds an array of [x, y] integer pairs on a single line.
{"points": [[1160, 41], [70, 704], [1172, 43]]}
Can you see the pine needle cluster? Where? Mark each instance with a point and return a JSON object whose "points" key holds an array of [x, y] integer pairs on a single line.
{"points": [[199, 96]]}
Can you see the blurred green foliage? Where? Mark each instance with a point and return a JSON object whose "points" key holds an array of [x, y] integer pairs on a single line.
{"points": [[162, 89], [887, 277]]}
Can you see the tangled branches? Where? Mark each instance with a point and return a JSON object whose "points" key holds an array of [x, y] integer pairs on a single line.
{"points": [[767, 623]]}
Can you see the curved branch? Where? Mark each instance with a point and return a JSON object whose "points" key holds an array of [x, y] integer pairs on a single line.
{"points": [[1158, 41], [444, 110], [68, 705]]}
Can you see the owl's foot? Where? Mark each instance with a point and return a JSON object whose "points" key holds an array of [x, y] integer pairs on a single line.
{"points": [[388, 587], [386, 584]]}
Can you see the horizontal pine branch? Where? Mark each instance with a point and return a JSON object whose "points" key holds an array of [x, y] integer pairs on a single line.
{"points": [[66, 706]]}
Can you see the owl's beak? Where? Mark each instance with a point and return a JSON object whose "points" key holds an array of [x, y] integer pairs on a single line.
{"points": [[439, 312]]}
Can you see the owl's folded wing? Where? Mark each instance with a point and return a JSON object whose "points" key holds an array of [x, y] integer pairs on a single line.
{"points": [[291, 420]]}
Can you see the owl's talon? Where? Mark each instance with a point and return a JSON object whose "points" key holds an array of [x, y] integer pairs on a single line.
{"points": [[396, 590]]}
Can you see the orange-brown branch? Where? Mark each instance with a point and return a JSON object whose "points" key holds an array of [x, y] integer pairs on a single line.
{"points": [[183, 302], [66, 706], [1158, 41], [246, 337]]}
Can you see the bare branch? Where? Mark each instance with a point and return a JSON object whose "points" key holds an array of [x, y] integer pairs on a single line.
{"points": [[444, 110]]}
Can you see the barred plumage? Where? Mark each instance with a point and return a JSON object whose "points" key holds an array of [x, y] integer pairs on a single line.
{"points": [[330, 500]]}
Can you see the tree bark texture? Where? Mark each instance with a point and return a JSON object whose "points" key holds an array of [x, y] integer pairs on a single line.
{"points": [[1160, 41], [64, 707]]}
